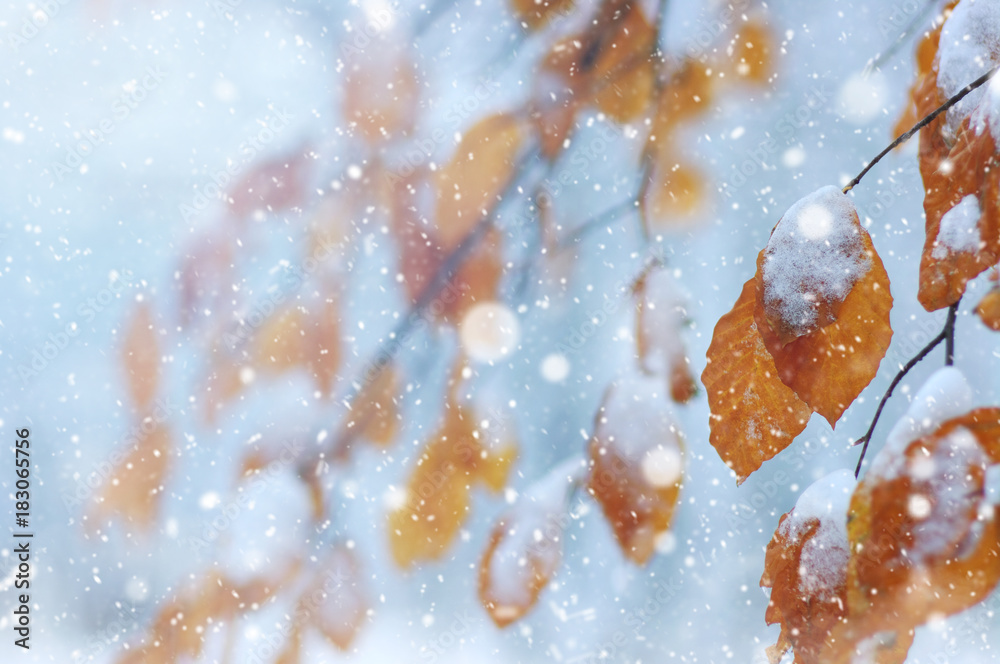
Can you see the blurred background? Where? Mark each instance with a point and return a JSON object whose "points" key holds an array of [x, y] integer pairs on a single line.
{"points": [[306, 295]]}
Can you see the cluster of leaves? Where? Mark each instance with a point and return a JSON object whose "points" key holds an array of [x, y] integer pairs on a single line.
{"points": [[854, 568], [441, 220]]}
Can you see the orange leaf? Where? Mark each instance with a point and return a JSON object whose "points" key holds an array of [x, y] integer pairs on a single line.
{"points": [[280, 344], [805, 566], [753, 414], [436, 500], [141, 357], [958, 158], [476, 281], [381, 92], [477, 173], [136, 485], [275, 184], [324, 345], [963, 217], [924, 541], [823, 302], [536, 13], [675, 193], [637, 458], [752, 52], [989, 309], [335, 598], [374, 413], [525, 547]]}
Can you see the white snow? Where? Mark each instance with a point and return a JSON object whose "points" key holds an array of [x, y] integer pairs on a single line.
{"points": [[945, 395], [815, 253], [662, 466], [638, 418], [823, 564], [947, 495], [489, 331], [959, 230], [862, 98], [555, 367], [532, 541], [664, 308], [969, 47]]}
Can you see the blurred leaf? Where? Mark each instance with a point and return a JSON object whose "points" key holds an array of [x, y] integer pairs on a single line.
{"points": [[468, 185], [637, 463], [525, 546], [141, 357]]}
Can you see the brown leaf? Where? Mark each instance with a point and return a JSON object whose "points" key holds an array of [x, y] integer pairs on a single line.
{"points": [[436, 500], [141, 357], [924, 540], [751, 48], [826, 332], [805, 566], [959, 165], [753, 414], [525, 546], [963, 217], [537, 13], [381, 91], [323, 345], [637, 458], [676, 192], [273, 185], [280, 344], [135, 487], [988, 309], [469, 184], [336, 599]]}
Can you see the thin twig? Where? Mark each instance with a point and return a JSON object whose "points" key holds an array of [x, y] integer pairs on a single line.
{"points": [[920, 125], [949, 328], [597, 221], [881, 58], [948, 333]]}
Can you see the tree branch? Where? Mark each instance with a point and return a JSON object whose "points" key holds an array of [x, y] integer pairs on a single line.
{"points": [[946, 334], [923, 123]]}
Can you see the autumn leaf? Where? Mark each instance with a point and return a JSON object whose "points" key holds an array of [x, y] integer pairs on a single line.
{"points": [[181, 626], [135, 487], [924, 540], [525, 546], [637, 459], [676, 191], [469, 183], [335, 598], [323, 345], [661, 316], [435, 503], [963, 218], [141, 357], [535, 14], [988, 309], [623, 76], [805, 566], [823, 302], [280, 343], [608, 65], [958, 156], [374, 413], [272, 185], [753, 414], [381, 91], [751, 51]]}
